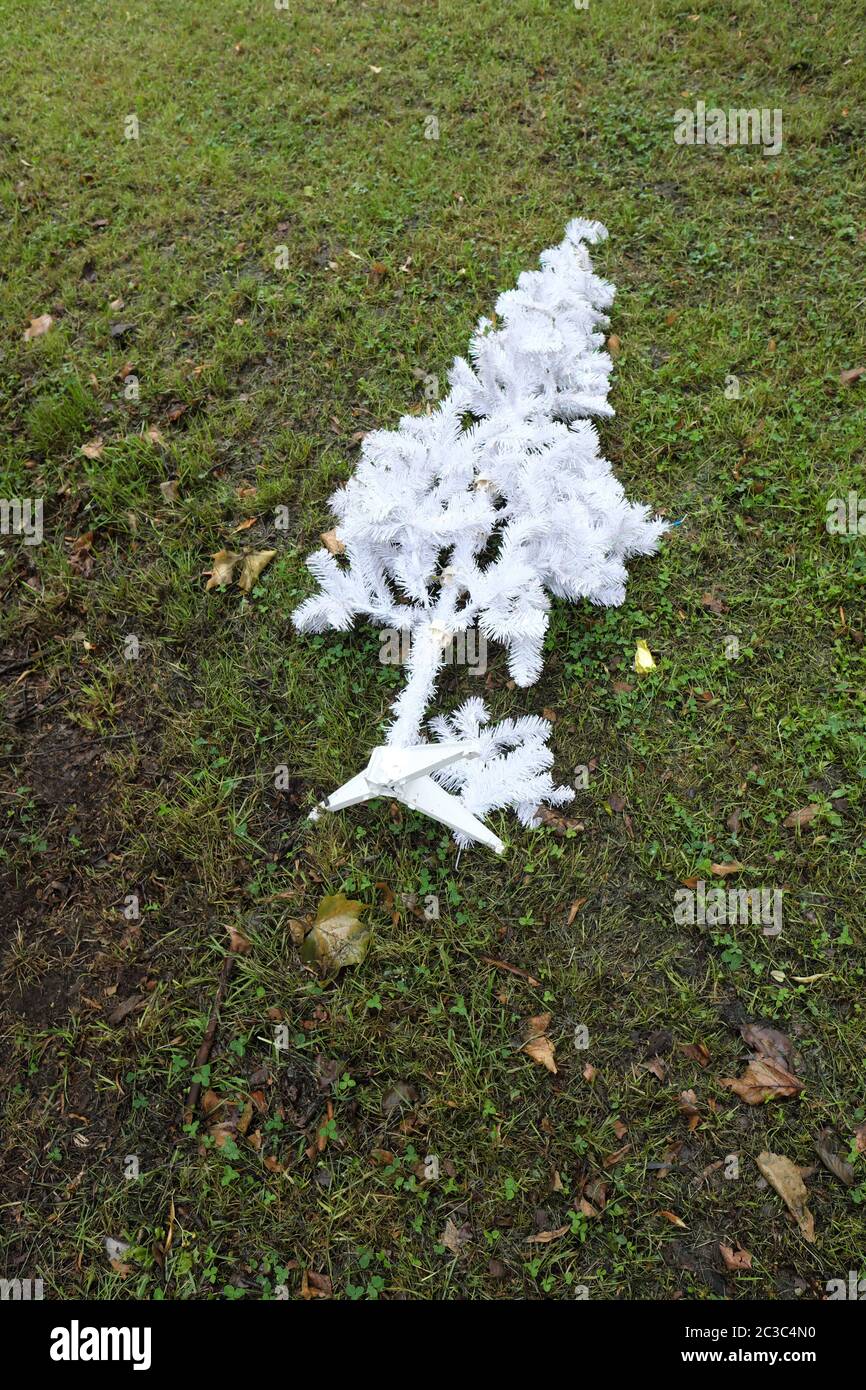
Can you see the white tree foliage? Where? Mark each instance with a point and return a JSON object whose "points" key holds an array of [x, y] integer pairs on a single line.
{"points": [[476, 513]]}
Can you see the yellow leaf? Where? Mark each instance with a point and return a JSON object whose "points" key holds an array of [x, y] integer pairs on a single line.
{"points": [[338, 937], [644, 661], [223, 568], [252, 568]]}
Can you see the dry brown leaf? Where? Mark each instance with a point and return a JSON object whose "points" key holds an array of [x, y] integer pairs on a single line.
{"points": [[245, 525], [611, 1160], [689, 1107], [94, 448], [38, 326], [252, 567], [556, 821], [332, 542], [714, 604], [614, 346], [538, 1045], [769, 1042], [589, 1072], [545, 1237], [656, 1066], [763, 1080], [735, 1259], [454, 1237], [224, 563], [785, 1177], [155, 436], [860, 1138], [797, 819], [574, 909], [850, 375], [675, 1220], [238, 942], [724, 870], [699, 1052], [170, 489], [832, 1161]]}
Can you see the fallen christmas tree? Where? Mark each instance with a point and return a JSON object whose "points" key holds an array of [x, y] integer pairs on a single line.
{"points": [[474, 515]]}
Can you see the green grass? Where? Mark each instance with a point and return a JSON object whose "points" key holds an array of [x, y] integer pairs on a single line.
{"points": [[259, 130]]}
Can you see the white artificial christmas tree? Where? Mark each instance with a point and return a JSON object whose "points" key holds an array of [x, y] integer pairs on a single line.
{"points": [[472, 516]]}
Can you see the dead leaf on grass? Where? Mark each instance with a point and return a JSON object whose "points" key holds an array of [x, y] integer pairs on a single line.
{"points": [[224, 563], [454, 1237], [763, 1080], [735, 1259], [252, 567], [37, 327], [545, 1237], [785, 1177], [797, 819], [538, 1045], [338, 937]]}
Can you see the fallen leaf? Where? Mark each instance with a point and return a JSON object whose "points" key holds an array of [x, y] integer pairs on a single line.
{"points": [[545, 1237], [656, 1066], [315, 1285], [338, 937], [689, 1107], [851, 374], [832, 1161], [252, 567], [589, 1072], [127, 1007], [80, 558], [574, 909], [614, 345], [155, 436], [768, 1042], [37, 327], [622, 687], [735, 1260], [224, 563], [763, 1080], [797, 819], [378, 271], [644, 661], [699, 1052], [170, 489], [714, 604], [734, 821], [331, 541], [785, 1177], [94, 449], [245, 525], [555, 821], [454, 1237], [725, 870], [675, 1220], [238, 941], [538, 1045]]}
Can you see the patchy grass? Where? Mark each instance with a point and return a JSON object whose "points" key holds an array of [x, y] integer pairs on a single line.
{"points": [[154, 777]]}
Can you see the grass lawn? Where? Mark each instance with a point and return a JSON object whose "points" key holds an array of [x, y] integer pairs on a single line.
{"points": [[253, 253]]}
